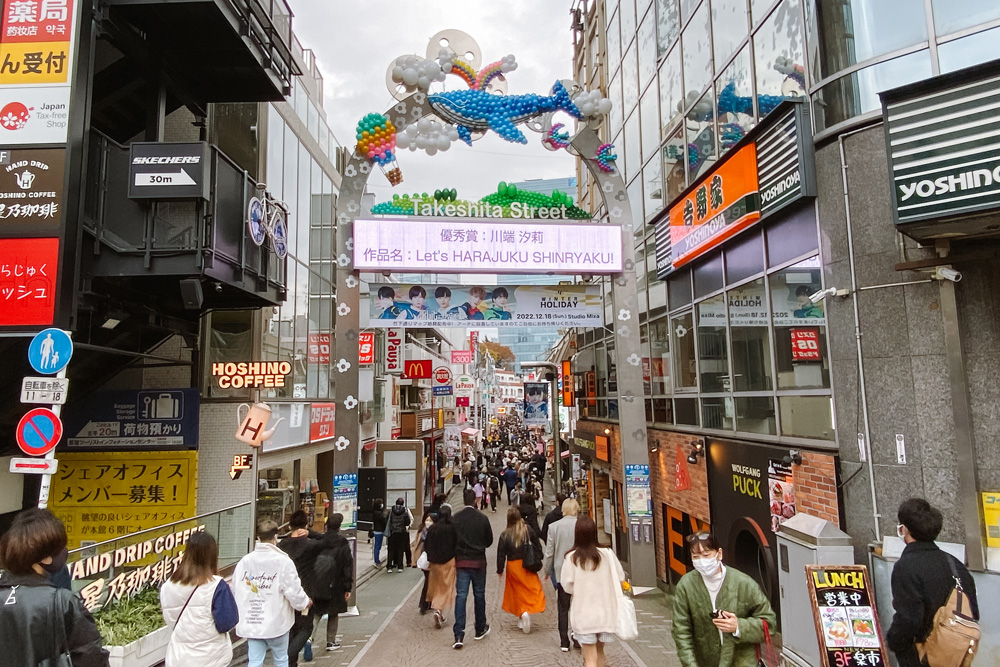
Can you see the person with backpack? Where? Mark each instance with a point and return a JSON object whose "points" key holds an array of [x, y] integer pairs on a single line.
{"points": [[302, 547], [333, 571], [378, 529], [520, 549], [397, 529], [494, 492], [923, 580], [510, 480]]}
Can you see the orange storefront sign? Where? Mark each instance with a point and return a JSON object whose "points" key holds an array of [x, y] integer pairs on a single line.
{"points": [[725, 203]]}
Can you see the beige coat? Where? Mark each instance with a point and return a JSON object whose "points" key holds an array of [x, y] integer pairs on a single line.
{"points": [[595, 593]]}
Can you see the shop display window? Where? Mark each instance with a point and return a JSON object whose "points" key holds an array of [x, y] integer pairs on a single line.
{"points": [[755, 414], [807, 416], [748, 322], [799, 327], [713, 348], [659, 357], [717, 413], [682, 338], [686, 411]]}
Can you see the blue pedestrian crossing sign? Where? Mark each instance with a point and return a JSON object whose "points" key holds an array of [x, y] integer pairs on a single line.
{"points": [[50, 351]]}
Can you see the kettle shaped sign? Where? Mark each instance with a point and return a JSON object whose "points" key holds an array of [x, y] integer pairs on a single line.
{"points": [[252, 427]]}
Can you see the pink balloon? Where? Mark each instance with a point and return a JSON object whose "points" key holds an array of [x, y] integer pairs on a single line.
{"points": [[371, 154]]}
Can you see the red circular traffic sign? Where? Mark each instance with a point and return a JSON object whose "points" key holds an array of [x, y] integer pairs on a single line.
{"points": [[39, 431], [442, 375]]}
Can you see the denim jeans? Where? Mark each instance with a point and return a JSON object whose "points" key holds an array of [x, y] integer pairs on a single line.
{"points": [[377, 550], [256, 648], [463, 578]]}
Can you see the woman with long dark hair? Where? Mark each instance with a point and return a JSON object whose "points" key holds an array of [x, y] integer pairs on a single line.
{"points": [[593, 576], [439, 545], [187, 601], [719, 612], [522, 591], [39, 622]]}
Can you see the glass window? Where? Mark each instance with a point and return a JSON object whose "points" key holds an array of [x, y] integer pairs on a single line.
{"points": [[662, 411], [780, 56], [230, 339], [729, 27], [275, 150], [682, 339], [601, 360], [626, 10], [758, 9], [668, 24], [659, 349], [748, 322], [807, 416], [617, 115], [745, 257], [708, 276], [630, 80], [701, 137], [679, 287], [670, 91], [647, 49], [713, 353], [853, 31], [633, 160], [657, 293], [857, 93], [634, 190], [969, 51], [793, 237], [755, 414], [799, 327], [686, 411], [717, 413], [734, 94], [652, 188], [953, 15], [697, 54], [614, 43], [650, 123], [687, 8], [673, 165]]}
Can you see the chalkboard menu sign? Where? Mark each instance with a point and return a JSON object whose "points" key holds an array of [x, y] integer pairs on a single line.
{"points": [[843, 605]]}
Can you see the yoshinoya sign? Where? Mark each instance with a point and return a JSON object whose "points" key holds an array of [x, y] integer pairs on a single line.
{"points": [[168, 171], [486, 246], [769, 169], [31, 190], [394, 351], [944, 159]]}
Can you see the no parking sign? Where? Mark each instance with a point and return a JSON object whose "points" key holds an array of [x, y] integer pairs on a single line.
{"points": [[39, 431]]}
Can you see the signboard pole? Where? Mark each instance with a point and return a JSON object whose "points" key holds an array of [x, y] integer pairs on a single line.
{"points": [[255, 475], [43, 490]]}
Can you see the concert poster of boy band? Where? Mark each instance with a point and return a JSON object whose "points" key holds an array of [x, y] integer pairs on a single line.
{"points": [[401, 305]]}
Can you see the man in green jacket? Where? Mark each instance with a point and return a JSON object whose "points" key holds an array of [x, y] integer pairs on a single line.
{"points": [[719, 612]]}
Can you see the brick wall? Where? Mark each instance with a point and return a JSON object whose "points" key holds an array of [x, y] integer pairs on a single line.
{"points": [[816, 487], [693, 501]]}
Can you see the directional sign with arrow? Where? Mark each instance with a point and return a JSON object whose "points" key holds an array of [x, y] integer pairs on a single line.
{"points": [[241, 462], [163, 170]]}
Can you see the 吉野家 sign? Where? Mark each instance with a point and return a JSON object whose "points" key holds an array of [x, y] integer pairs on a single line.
{"points": [[561, 306], [101, 495], [470, 246], [461, 356], [31, 190], [251, 374], [366, 348], [160, 170], [846, 618], [127, 419], [44, 391]]}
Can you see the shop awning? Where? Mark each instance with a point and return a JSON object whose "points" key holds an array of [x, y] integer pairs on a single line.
{"points": [[470, 431]]}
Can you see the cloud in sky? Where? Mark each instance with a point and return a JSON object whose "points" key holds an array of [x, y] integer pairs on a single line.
{"points": [[355, 41]]}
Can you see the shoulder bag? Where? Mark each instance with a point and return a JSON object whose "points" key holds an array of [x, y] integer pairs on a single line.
{"points": [[225, 613], [626, 623], [767, 655], [954, 637], [532, 558], [59, 639]]}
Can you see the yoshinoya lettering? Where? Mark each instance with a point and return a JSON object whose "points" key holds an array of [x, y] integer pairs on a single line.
{"points": [[162, 159], [967, 180], [781, 187]]}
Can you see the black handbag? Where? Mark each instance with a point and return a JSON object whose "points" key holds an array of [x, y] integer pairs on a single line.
{"points": [[59, 639]]}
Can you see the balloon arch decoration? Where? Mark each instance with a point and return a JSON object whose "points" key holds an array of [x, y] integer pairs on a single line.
{"points": [[431, 121]]}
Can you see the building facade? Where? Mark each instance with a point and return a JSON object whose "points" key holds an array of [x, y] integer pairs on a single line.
{"points": [[801, 353]]}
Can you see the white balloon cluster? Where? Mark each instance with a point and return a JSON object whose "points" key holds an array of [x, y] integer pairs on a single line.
{"points": [[592, 104], [414, 72], [427, 135], [508, 63]]}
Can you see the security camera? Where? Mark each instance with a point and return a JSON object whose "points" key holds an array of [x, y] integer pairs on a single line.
{"points": [[816, 297], [945, 273]]}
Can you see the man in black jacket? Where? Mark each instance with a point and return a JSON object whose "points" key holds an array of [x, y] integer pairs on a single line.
{"points": [[334, 572], [302, 546], [922, 580], [553, 516], [475, 536]]}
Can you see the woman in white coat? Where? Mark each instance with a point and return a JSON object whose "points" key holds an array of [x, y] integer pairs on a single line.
{"points": [[187, 601]]}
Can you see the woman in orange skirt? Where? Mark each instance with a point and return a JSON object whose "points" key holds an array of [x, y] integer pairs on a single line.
{"points": [[521, 550]]}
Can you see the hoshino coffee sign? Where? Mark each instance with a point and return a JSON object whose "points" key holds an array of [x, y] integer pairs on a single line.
{"points": [[943, 153]]}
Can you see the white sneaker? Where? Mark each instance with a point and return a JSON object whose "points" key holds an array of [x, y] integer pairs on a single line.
{"points": [[525, 623]]}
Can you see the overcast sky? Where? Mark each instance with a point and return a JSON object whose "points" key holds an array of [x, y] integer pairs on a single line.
{"points": [[354, 42]]}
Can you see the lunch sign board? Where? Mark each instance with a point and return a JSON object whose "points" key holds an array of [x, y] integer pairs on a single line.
{"points": [[847, 626]]}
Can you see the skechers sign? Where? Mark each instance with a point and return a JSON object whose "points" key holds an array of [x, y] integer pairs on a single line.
{"points": [[943, 155], [168, 171]]}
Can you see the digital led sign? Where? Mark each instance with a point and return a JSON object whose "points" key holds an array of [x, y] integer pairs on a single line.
{"points": [[486, 246]]}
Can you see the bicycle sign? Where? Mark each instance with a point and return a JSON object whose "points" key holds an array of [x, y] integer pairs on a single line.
{"points": [[265, 219]]}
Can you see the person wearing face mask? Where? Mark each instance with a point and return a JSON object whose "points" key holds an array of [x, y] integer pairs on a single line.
{"points": [[418, 551], [719, 612], [38, 621]]}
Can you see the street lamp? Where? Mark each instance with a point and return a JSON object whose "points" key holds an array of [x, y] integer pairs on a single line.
{"points": [[553, 414]]}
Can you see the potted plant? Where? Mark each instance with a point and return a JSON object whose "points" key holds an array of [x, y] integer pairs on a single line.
{"points": [[133, 630]]}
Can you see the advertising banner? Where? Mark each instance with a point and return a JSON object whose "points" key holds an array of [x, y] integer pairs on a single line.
{"points": [[322, 422], [28, 281], [781, 492], [100, 495], [480, 246], [452, 440], [394, 351], [461, 356], [31, 191], [127, 419], [464, 386], [345, 498], [536, 403], [319, 348], [847, 623], [486, 306], [366, 348], [640, 500]]}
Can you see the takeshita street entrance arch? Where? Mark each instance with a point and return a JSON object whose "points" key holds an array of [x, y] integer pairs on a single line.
{"points": [[461, 115]]}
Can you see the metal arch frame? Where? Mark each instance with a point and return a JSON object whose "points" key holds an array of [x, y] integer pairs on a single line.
{"points": [[624, 295]]}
